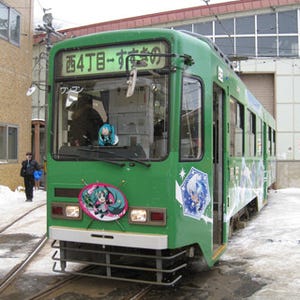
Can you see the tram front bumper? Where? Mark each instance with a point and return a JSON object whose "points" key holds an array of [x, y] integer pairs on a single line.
{"points": [[111, 238]]}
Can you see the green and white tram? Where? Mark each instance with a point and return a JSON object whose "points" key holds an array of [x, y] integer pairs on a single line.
{"points": [[155, 148]]}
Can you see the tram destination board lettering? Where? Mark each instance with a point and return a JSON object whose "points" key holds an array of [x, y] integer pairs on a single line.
{"points": [[111, 59]]}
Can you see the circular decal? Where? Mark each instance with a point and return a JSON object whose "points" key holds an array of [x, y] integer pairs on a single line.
{"points": [[103, 202]]}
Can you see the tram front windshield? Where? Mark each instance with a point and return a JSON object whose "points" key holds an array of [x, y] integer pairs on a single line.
{"points": [[95, 119]]}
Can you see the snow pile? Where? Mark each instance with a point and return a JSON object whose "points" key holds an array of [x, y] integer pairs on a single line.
{"points": [[13, 203]]}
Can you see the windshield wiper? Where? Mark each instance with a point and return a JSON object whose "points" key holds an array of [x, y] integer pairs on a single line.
{"points": [[78, 157], [146, 164], [104, 150]]}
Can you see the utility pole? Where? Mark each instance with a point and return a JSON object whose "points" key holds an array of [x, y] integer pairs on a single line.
{"points": [[47, 26], [49, 31]]}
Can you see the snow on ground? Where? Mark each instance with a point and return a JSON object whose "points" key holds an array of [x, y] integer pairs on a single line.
{"points": [[13, 203], [268, 248]]}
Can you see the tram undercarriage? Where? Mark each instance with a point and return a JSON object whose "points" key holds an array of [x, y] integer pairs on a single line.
{"points": [[160, 267]]}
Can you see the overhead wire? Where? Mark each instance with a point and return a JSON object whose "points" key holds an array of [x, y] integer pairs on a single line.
{"points": [[216, 17]]}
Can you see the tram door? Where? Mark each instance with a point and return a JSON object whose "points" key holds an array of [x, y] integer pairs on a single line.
{"points": [[218, 154]]}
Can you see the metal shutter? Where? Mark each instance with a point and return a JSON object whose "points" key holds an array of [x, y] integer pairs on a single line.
{"points": [[262, 87]]}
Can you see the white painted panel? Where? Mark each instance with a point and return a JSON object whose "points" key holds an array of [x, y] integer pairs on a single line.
{"points": [[284, 89], [297, 89], [285, 117], [297, 116], [297, 146], [285, 67], [285, 146]]}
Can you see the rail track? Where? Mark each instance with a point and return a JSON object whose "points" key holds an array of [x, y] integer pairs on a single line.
{"points": [[15, 272], [20, 217], [59, 289], [14, 247], [9, 235]]}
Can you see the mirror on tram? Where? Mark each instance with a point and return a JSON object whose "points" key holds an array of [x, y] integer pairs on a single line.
{"points": [[71, 98], [131, 82]]}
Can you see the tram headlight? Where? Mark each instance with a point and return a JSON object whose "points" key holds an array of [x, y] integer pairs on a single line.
{"points": [[72, 211], [148, 216], [138, 215]]}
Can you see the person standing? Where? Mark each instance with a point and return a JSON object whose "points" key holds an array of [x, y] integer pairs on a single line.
{"points": [[29, 165]]}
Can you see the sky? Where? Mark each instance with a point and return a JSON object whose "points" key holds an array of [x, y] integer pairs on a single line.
{"points": [[68, 14]]}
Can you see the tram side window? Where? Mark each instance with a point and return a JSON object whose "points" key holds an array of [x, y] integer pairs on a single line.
{"points": [[236, 128], [270, 141], [259, 143], [190, 120], [274, 143], [251, 134]]}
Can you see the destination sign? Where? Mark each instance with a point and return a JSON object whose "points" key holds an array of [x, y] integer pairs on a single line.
{"points": [[112, 59]]}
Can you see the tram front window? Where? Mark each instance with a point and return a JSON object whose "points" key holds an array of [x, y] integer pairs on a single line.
{"points": [[94, 119]]}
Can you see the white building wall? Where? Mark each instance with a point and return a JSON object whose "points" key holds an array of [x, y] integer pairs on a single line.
{"points": [[287, 113]]}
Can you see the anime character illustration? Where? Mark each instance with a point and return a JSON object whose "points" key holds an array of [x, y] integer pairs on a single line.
{"points": [[104, 198], [195, 194], [103, 202], [107, 136]]}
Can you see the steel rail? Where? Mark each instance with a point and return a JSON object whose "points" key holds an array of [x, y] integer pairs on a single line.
{"points": [[21, 217], [14, 273]]}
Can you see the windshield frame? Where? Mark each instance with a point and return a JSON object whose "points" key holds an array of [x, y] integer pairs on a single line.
{"points": [[134, 155], [161, 58]]}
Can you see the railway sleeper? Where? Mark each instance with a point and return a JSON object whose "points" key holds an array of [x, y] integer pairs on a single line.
{"points": [[160, 267]]}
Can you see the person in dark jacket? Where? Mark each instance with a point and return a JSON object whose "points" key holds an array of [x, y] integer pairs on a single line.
{"points": [[28, 167], [85, 123]]}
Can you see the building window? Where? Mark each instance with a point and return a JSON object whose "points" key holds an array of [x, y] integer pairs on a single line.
{"points": [[287, 22], [288, 46], [9, 24], [14, 27], [3, 21], [204, 28], [245, 25], [267, 46], [226, 45], [266, 24], [8, 143], [245, 46], [184, 27], [224, 27], [271, 34]]}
